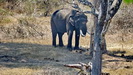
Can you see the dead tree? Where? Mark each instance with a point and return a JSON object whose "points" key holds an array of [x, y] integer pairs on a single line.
{"points": [[107, 9], [103, 11]]}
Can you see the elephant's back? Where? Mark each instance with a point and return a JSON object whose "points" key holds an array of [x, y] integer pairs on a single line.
{"points": [[59, 19], [61, 14]]}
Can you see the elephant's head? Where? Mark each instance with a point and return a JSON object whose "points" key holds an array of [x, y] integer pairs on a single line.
{"points": [[79, 20]]}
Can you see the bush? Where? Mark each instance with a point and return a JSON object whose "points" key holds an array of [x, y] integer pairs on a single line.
{"points": [[128, 1]]}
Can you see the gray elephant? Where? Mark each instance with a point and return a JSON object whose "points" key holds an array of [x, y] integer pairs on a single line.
{"points": [[66, 20]]}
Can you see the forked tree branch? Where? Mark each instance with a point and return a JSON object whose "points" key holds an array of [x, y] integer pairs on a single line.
{"points": [[102, 11], [84, 2], [105, 28], [110, 2], [90, 12], [74, 5], [87, 3], [113, 7]]}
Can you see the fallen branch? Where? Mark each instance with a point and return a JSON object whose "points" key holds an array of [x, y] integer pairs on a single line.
{"points": [[84, 68]]}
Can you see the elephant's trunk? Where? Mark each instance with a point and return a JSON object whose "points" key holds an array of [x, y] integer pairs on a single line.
{"points": [[81, 33], [83, 30]]}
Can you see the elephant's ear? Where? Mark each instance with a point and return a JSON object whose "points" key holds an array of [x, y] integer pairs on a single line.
{"points": [[71, 17], [71, 21]]}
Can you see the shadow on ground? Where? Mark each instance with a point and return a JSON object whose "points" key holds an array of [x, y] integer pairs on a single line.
{"points": [[15, 55], [120, 54]]}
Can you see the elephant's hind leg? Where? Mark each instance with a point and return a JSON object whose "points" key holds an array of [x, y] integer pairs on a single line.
{"points": [[54, 32], [54, 39], [60, 39]]}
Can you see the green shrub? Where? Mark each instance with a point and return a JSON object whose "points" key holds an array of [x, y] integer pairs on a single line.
{"points": [[128, 1]]}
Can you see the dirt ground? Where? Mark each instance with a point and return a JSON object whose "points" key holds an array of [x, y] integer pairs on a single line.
{"points": [[18, 55], [51, 60]]}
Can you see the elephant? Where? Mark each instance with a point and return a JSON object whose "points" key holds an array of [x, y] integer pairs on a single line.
{"points": [[68, 20]]}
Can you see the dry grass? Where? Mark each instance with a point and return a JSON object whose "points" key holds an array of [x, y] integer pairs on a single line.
{"points": [[119, 71], [118, 61], [7, 20], [32, 56], [33, 53], [17, 71], [31, 41]]}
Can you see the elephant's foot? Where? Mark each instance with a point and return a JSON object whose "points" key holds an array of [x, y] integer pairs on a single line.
{"points": [[69, 48], [61, 45], [77, 48], [54, 45]]}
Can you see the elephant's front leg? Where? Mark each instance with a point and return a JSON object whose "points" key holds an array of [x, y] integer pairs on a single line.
{"points": [[77, 37], [70, 34]]}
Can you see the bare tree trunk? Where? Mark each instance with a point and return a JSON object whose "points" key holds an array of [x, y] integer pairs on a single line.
{"points": [[95, 70], [99, 23], [95, 3], [92, 41], [106, 10]]}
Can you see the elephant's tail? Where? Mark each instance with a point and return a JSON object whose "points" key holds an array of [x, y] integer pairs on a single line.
{"points": [[53, 25], [52, 17], [55, 13]]}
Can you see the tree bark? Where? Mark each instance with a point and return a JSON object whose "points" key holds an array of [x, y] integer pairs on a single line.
{"points": [[91, 41], [97, 53], [96, 4]]}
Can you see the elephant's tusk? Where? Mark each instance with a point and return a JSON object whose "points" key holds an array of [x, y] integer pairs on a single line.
{"points": [[82, 33], [88, 32]]}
